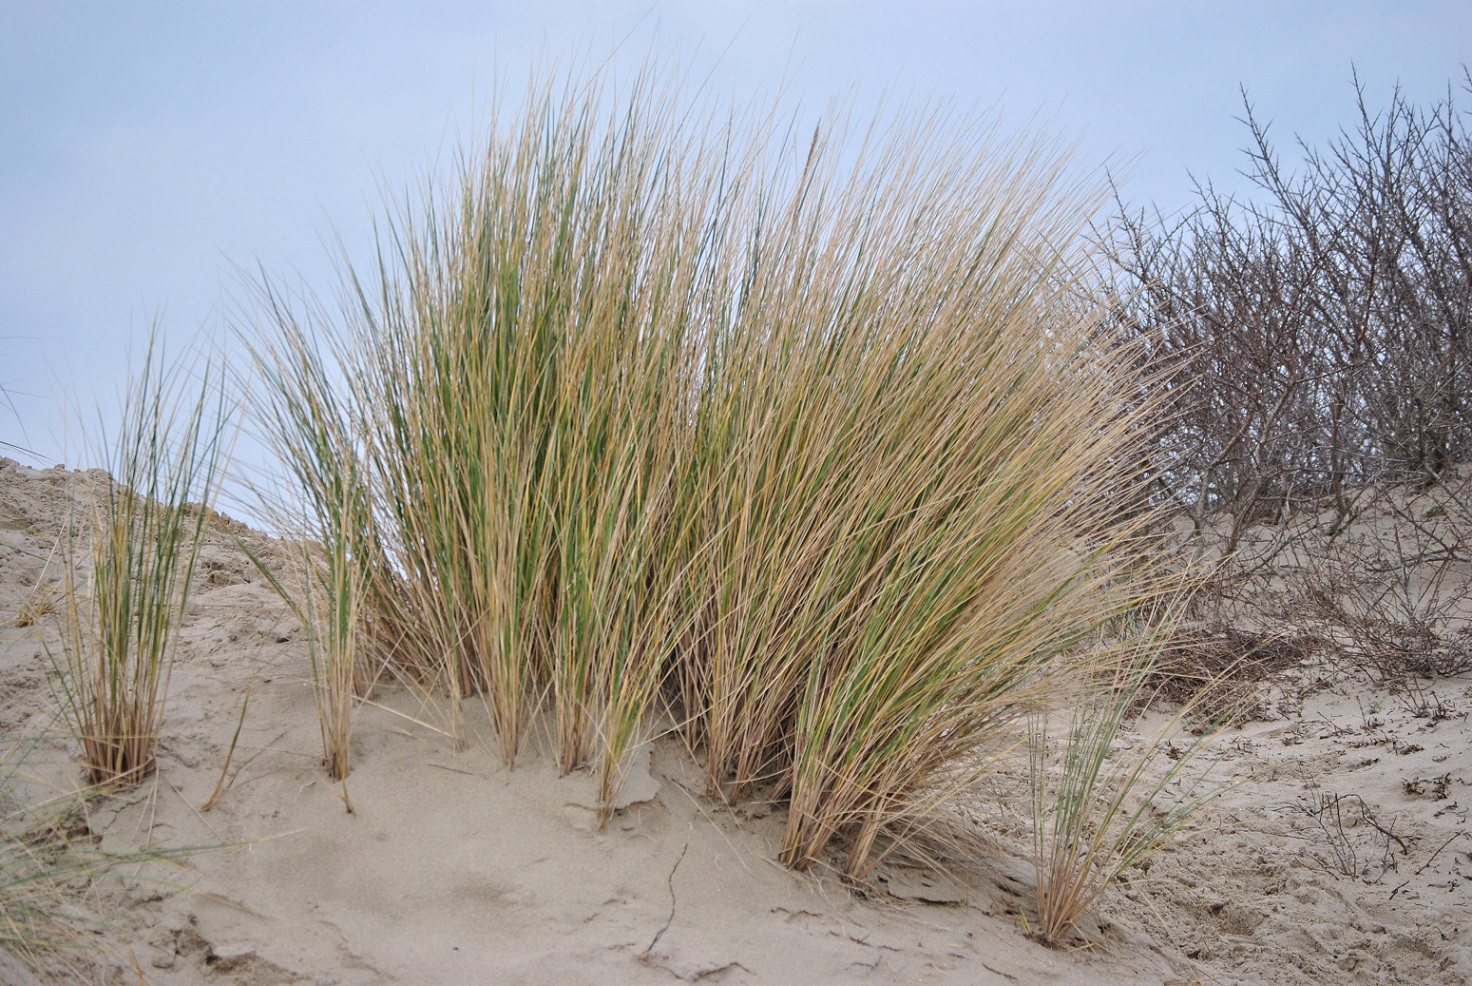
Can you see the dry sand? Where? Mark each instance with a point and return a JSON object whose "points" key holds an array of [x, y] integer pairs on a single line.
{"points": [[452, 869]]}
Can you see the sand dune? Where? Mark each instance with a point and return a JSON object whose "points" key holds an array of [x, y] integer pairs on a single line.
{"points": [[1343, 855]]}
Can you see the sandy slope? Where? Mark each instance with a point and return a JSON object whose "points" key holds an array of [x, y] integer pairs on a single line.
{"points": [[451, 869]]}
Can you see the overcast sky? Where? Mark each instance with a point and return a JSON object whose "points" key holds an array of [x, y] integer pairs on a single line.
{"points": [[147, 148]]}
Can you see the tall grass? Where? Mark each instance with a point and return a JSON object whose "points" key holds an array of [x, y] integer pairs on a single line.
{"points": [[337, 677], [910, 443], [129, 566], [314, 443], [817, 442], [515, 387]]}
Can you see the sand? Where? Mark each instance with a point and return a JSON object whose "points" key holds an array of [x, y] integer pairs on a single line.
{"points": [[1341, 855]]}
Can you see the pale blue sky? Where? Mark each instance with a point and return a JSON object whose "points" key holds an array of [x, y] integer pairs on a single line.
{"points": [[145, 147]]}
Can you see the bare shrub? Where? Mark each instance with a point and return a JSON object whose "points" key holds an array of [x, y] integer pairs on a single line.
{"points": [[1315, 340]]}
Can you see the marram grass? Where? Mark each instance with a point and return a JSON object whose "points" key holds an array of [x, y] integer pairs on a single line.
{"points": [[1095, 815], [128, 567], [810, 446]]}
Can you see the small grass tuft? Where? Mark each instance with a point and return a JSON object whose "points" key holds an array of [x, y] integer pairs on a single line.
{"points": [[127, 568], [1098, 811], [41, 604], [47, 853]]}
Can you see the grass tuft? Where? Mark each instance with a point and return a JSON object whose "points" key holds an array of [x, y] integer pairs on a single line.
{"points": [[1096, 813], [127, 571], [47, 852]]}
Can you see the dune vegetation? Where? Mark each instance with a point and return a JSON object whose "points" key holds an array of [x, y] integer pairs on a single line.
{"points": [[841, 452], [817, 449], [127, 565]]}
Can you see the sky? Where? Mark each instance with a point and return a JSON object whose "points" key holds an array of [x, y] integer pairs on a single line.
{"points": [[150, 151]]}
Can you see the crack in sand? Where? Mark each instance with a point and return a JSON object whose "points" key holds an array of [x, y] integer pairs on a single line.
{"points": [[644, 955]]}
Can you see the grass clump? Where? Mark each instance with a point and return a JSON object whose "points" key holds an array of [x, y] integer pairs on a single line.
{"points": [[906, 481], [1096, 815], [512, 396], [336, 674], [41, 604], [129, 565], [821, 445]]}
